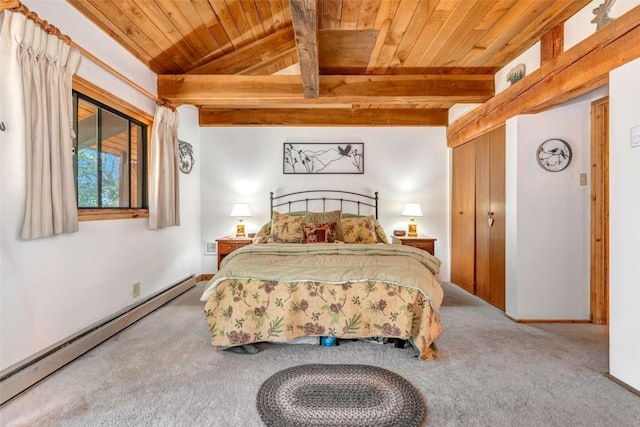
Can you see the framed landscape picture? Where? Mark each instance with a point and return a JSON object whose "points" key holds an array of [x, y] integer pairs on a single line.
{"points": [[321, 158]]}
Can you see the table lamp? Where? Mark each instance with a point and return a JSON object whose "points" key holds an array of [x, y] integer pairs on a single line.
{"points": [[240, 210], [412, 210]]}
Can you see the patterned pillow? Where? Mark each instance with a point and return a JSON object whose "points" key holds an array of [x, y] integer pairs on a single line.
{"points": [[328, 218], [286, 228], [359, 230], [381, 236], [262, 236]]}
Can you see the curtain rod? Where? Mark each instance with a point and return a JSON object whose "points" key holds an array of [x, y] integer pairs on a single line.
{"points": [[17, 6]]}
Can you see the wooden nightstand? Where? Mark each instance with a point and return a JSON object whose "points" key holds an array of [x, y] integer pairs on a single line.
{"points": [[226, 245], [425, 243]]}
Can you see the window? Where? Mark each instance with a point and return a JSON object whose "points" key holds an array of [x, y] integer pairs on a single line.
{"points": [[110, 161]]}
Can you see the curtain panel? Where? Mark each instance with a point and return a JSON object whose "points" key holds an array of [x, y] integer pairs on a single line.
{"points": [[164, 188], [35, 78]]}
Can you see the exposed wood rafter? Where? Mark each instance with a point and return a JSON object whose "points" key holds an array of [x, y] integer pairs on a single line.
{"points": [[581, 69], [379, 89], [552, 43], [377, 48], [270, 48], [304, 15], [323, 117]]}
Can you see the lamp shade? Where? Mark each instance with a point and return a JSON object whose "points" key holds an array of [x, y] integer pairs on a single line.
{"points": [[241, 210], [412, 210]]}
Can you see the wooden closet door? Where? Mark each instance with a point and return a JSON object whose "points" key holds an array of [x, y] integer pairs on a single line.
{"points": [[490, 217], [463, 178]]}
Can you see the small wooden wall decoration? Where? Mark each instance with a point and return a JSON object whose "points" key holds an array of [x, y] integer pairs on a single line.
{"points": [[322, 158], [516, 73], [602, 14]]}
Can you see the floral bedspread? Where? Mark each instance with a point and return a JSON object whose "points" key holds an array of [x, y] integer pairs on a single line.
{"points": [[280, 292]]}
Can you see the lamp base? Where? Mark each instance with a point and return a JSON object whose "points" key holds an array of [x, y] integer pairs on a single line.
{"points": [[413, 230], [240, 230]]}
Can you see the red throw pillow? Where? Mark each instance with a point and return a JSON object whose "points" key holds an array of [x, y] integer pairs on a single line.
{"points": [[329, 230], [309, 234]]}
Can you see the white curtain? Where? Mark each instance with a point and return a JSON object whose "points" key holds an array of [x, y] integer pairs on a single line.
{"points": [[164, 188], [36, 76]]}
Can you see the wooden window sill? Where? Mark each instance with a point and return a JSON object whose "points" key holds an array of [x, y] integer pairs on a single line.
{"points": [[103, 214]]}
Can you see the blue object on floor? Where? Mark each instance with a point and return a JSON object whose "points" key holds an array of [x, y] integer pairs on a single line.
{"points": [[328, 341]]}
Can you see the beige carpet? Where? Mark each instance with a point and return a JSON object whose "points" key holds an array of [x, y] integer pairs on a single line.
{"points": [[491, 371]]}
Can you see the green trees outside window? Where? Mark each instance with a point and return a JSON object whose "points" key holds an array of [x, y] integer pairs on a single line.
{"points": [[110, 157]]}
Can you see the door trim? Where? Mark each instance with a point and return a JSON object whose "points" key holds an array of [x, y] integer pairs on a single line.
{"points": [[599, 282]]}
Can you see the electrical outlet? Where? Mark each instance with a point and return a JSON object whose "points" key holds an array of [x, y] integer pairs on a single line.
{"points": [[136, 290]]}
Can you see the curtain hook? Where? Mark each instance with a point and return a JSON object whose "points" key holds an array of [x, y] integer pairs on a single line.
{"points": [[2, 127]]}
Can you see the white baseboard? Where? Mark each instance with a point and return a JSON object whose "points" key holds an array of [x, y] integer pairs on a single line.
{"points": [[18, 378]]}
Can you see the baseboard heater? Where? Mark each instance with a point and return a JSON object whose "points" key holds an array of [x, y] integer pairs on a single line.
{"points": [[19, 377]]}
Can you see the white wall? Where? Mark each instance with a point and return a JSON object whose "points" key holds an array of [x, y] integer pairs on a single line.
{"points": [[402, 164], [624, 228], [53, 287], [512, 242], [548, 229]]}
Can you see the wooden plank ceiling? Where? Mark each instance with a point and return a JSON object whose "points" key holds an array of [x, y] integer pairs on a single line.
{"points": [[363, 62]]}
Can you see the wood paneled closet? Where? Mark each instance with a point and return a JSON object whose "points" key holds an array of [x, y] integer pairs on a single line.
{"points": [[478, 217]]}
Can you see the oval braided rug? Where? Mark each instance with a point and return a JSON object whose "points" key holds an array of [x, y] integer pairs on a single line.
{"points": [[339, 395]]}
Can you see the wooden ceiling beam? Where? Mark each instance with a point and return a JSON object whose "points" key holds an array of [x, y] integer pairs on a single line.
{"points": [[369, 89], [408, 85], [582, 68], [304, 15], [323, 117], [265, 50], [202, 89]]}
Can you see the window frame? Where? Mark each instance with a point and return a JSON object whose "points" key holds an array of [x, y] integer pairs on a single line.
{"points": [[94, 93]]}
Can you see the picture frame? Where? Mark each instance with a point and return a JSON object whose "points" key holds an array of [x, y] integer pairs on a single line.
{"points": [[323, 158]]}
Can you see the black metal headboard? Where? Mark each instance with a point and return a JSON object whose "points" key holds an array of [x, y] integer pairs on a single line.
{"points": [[355, 200]]}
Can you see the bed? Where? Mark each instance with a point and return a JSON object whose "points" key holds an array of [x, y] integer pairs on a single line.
{"points": [[324, 270]]}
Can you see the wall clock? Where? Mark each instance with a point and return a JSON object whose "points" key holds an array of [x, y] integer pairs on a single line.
{"points": [[554, 155]]}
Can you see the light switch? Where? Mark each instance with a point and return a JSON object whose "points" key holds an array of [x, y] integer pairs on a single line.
{"points": [[583, 179], [635, 137]]}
